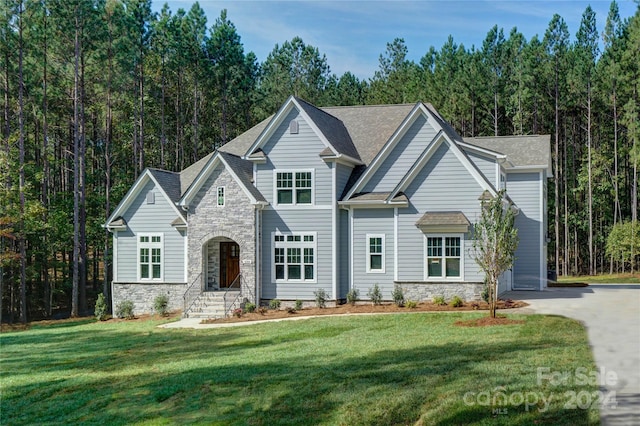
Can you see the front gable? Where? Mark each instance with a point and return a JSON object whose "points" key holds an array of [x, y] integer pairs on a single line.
{"points": [[236, 169], [419, 129], [145, 186]]}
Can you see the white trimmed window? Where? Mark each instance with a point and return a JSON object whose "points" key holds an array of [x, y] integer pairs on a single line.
{"points": [[150, 257], [375, 253], [294, 187], [444, 258], [294, 257], [220, 196]]}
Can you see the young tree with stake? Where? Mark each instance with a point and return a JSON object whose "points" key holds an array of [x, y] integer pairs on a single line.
{"points": [[496, 240]]}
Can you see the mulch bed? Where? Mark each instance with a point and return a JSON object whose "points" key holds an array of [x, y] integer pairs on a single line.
{"points": [[488, 321], [362, 308]]}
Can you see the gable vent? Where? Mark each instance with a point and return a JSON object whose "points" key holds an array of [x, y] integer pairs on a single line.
{"points": [[151, 197], [293, 127]]}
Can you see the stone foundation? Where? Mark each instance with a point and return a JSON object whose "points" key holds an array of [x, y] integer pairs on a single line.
{"points": [[426, 291], [143, 295]]}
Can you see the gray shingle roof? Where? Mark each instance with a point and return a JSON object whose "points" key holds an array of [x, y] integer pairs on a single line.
{"points": [[169, 181], [332, 128], [370, 126], [521, 151], [241, 144], [443, 218], [244, 170]]}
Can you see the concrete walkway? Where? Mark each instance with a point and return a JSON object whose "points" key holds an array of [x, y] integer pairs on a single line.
{"points": [[611, 314]]}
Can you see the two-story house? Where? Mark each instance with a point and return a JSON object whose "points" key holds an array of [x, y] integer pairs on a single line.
{"points": [[328, 198]]}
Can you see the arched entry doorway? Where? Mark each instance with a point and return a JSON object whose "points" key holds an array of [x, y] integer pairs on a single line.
{"points": [[221, 263]]}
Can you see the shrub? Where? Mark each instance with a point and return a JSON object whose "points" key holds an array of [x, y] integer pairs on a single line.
{"points": [[298, 305], [411, 304], [160, 304], [291, 310], [353, 296], [237, 312], [262, 310], [475, 306], [250, 307], [439, 300], [321, 298], [456, 301], [124, 309], [485, 292], [274, 304], [398, 296], [375, 294], [101, 308]]}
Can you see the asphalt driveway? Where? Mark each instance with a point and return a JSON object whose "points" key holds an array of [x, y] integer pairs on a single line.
{"points": [[611, 314]]}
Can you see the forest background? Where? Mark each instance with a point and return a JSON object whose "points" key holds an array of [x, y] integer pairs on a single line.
{"points": [[94, 91]]}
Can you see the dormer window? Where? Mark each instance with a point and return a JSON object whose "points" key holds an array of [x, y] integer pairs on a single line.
{"points": [[294, 187]]}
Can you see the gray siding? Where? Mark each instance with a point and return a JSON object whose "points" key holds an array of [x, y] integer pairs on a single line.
{"points": [[486, 166], [297, 221], [403, 156], [344, 253], [342, 177], [150, 218], [444, 184], [372, 221], [295, 152], [524, 189]]}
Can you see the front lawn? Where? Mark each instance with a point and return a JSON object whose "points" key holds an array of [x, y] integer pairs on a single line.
{"points": [[384, 369], [627, 278]]}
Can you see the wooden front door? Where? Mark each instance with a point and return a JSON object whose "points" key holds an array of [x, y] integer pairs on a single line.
{"points": [[229, 263]]}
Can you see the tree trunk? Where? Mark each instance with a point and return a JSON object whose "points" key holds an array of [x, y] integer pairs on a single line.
{"points": [[22, 235], [76, 172]]}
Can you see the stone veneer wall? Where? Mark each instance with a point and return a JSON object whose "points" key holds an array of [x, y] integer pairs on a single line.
{"points": [[236, 221], [143, 295], [426, 291]]}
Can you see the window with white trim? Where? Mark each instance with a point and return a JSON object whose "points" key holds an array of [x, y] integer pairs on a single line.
{"points": [[150, 257], [294, 187], [375, 253], [220, 196], [294, 257], [444, 257]]}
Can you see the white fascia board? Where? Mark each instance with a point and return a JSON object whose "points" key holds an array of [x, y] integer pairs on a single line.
{"points": [[199, 180], [372, 204], [268, 131], [238, 181], [482, 151], [525, 169], [277, 119], [388, 147], [473, 170], [129, 196], [342, 159], [204, 175]]}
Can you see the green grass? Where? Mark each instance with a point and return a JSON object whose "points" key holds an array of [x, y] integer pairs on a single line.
{"points": [[602, 279], [386, 369]]}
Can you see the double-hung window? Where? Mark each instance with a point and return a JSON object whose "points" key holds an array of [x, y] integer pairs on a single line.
{"points": [[150, 257], [444, 257], [294, 187], [294, 257], [375, 253]]}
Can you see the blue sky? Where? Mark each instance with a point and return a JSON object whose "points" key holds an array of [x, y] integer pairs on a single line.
{"points": [[353, 34]]}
